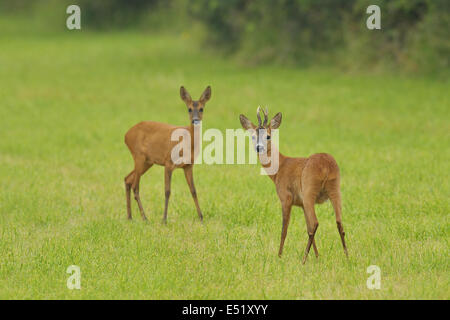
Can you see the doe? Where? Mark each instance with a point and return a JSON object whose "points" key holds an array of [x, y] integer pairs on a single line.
{"points": [[150, 143], [299, 182]]}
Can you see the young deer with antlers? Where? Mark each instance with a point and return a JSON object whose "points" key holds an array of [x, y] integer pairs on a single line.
{"points": [[151, 143], [299, 182]]}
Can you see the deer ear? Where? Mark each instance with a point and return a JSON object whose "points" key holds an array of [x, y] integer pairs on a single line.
{"points": [[276, 121], [206, 95], [246, 124], [185, 96]]}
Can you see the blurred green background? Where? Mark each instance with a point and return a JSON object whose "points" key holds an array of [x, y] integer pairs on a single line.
{"points": [[414, 35]]}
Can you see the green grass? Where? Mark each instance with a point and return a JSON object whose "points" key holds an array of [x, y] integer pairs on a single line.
{"points": [[68, 99]]}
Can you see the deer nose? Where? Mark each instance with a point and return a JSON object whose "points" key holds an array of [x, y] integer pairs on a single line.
{"points": [[196, 121], [259, 148]]}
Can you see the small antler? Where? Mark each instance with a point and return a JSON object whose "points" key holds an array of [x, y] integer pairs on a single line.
{"points": [[266, 119], [258, 115]]}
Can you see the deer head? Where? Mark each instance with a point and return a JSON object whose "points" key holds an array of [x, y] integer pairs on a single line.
{"points": [[262, 133], [195, 108]]}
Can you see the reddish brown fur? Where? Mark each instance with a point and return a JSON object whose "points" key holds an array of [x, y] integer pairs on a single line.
{"points": [[150, 143], [303, 182]]}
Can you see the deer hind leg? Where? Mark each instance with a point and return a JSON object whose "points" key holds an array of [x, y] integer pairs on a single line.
{"points": [[316, 252], [128, 182], [309, 199], [167, 182], [286, 207], [140, 167], [334, 194], [190, 181]]}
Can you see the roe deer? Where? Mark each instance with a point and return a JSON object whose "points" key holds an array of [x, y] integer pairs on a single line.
{"points": [[150, 143], [300, 182]]}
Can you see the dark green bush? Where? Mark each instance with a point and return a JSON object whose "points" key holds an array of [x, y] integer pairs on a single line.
{"points": [[414, 34]]}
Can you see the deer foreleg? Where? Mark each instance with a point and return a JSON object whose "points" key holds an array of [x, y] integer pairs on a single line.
{"points": [[286, 207], [188, 173]]}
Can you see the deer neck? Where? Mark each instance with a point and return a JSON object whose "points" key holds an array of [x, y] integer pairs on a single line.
{"points": [[267, 165], [196, 140]]}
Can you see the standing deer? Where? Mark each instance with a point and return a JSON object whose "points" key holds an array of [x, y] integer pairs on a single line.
{"points": [[300, 182], [151, 143]]}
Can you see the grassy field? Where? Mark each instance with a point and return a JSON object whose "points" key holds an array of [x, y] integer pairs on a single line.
{"points": [[68, 99]]}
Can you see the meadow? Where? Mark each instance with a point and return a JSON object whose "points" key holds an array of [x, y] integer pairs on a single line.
{"points": [[66, 101]]}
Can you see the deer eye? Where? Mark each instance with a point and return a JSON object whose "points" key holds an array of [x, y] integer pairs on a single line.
{"points": [[190, 110], [268, 137], [201, 109]]}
